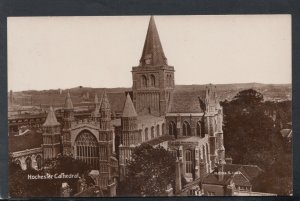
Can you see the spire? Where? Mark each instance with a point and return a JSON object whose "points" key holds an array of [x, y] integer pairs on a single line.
{"points": [[68, 102], [51, 118], [104, 102], [129, 110], [153, 53]]}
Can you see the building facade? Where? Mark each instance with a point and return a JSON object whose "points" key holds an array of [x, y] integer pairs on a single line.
{"points": [[154, 112]]}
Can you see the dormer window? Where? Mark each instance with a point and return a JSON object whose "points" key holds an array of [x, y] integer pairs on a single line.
{"points": [[147, 61]]}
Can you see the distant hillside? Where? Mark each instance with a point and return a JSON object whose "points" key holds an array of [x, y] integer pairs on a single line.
{"points": [[81, 94]]}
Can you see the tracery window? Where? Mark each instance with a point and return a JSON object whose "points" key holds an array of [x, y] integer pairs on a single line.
{"points": [[87, 149]]}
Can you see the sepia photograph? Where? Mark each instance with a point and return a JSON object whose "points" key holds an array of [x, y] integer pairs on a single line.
{"points": [[150, 106]]}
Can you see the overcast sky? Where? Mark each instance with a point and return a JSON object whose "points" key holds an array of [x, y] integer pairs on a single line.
{"points": [[65, 52]]}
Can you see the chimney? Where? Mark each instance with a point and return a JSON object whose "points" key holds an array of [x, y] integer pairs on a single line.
{"points": [[178, 177]]}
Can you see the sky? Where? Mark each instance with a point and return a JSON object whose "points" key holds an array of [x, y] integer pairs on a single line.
{"points": [[65, 52]]}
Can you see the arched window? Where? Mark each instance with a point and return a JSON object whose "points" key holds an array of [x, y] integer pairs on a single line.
{"points": [[87, 149], [157, 131], [38, 162], [152, 132], [188, 161], [152, 80], [146, 134], [198, 129], [144, 81], [186, 129], [172, 129], [28, 163], [163, 128]]}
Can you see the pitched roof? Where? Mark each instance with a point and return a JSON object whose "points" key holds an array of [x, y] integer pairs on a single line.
{"points": [[68, 102], [250, 171], [30, 140], [129, 110], [186, 101], [51, 118], [213, 178], [152, 47]]}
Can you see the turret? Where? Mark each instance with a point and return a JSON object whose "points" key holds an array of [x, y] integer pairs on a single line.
{"points": [[96, 113], [51, 136], [105, 112], [68, 118]]}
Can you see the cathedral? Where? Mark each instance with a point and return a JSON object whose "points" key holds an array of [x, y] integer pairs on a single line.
{"points": [[153, 112]]}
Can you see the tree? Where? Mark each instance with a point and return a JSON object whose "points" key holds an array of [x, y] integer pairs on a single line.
{"points": [[252, 137], [148, 174], [21, 186]]}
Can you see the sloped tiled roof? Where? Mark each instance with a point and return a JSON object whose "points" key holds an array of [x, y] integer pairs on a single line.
{"points": [[213, 178], [51, 118], [129, 110], [152, 48], [250, 171], [116, 101], [186, 101], [30, 140]]}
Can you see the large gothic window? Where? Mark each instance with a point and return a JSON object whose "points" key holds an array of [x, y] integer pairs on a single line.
{"points": [[188, 161], [186, 129], [144, 81], [86, 149], [172, 129], [152, 80]]}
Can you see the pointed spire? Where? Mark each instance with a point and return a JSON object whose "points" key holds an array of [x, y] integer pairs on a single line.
{"points": [[104, 101], [68, 102], [51, 118], [129, 110], [153, 53]]}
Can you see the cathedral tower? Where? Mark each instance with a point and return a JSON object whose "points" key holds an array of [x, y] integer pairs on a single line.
{"points": [[153, 79], [105, 142], [96, 113], [130, 134], [68, 118], [51, 136]]}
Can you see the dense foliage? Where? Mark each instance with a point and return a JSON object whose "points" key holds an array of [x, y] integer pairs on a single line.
{"points": [[21, 186], [149, 174], [252, 136]]}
